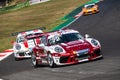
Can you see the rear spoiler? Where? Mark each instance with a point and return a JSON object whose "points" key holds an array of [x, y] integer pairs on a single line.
{"points": [[16, 33]]}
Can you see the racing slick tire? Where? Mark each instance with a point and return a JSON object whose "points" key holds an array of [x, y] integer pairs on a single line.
{"points": [[51, 61], [34, 60]]}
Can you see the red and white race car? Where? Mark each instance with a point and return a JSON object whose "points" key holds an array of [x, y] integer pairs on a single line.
{"points": [[24, 43], [65, 47]]}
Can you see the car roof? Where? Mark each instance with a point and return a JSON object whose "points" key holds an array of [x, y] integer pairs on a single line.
{"points": [[61, 31], [29, 33], [33, 36]]}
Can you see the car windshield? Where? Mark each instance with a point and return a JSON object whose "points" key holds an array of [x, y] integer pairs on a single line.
{"points": [[89, 6], [64, 38], [20, 39]]}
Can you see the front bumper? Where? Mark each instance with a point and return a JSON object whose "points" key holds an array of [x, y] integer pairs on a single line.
{"points": [[73, 59], [90, 12], [26, 54]]}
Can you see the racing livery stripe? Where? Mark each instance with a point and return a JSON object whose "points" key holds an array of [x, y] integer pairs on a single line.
{"points": [[37, 40]]}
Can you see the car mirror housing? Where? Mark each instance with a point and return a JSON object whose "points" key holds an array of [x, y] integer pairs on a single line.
{"points": [[12, 42], [87, 36]]}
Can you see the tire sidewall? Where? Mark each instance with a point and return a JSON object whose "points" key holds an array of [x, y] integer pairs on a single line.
{"points": [[50, 60], [34, 60]]}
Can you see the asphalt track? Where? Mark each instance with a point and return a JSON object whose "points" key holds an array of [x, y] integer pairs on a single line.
{"points": [[104, 26]]}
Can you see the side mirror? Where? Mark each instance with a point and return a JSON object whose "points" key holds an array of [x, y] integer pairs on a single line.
{"points": [[12, 42], [87, 36]]}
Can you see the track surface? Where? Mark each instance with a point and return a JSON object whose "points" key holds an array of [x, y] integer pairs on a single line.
{"points": [[104, 26]]}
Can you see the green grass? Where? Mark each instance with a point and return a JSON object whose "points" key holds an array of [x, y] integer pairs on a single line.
{"points": [[46, 14], [14, 2]]}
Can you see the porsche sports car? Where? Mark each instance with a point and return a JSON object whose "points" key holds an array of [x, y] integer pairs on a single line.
{"points": [[90, 9], [63, 47], [24, 43]]}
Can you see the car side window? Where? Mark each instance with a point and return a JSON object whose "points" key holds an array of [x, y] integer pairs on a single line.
{"points": [[43, 40]]}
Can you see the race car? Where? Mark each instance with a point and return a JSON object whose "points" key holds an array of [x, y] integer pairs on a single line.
{"points": [[90, 9], [24, 43], [64, 47]]}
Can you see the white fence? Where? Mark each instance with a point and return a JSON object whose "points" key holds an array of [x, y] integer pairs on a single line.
{"points": [[37, 1]]}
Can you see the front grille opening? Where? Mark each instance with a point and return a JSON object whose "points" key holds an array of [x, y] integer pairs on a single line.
{"points": [[21, 54], [85, 56], [64, 59], [29, 53], [98, 51]]}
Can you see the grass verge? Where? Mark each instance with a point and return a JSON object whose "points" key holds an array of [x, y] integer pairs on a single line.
{"points": [[46, 14]]}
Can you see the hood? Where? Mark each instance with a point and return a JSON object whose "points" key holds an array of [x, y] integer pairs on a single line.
{"points": [[75, 45]]}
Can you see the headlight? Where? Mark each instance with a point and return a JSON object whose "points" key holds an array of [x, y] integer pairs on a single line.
{"points": [[58, 49], [94, 42], [18, 47]]}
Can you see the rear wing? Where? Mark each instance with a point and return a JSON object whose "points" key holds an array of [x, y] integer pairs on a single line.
{"points": [[16, 33]]}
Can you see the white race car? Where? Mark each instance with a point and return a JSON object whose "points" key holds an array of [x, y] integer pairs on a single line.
{"points": [[24, 43]]}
